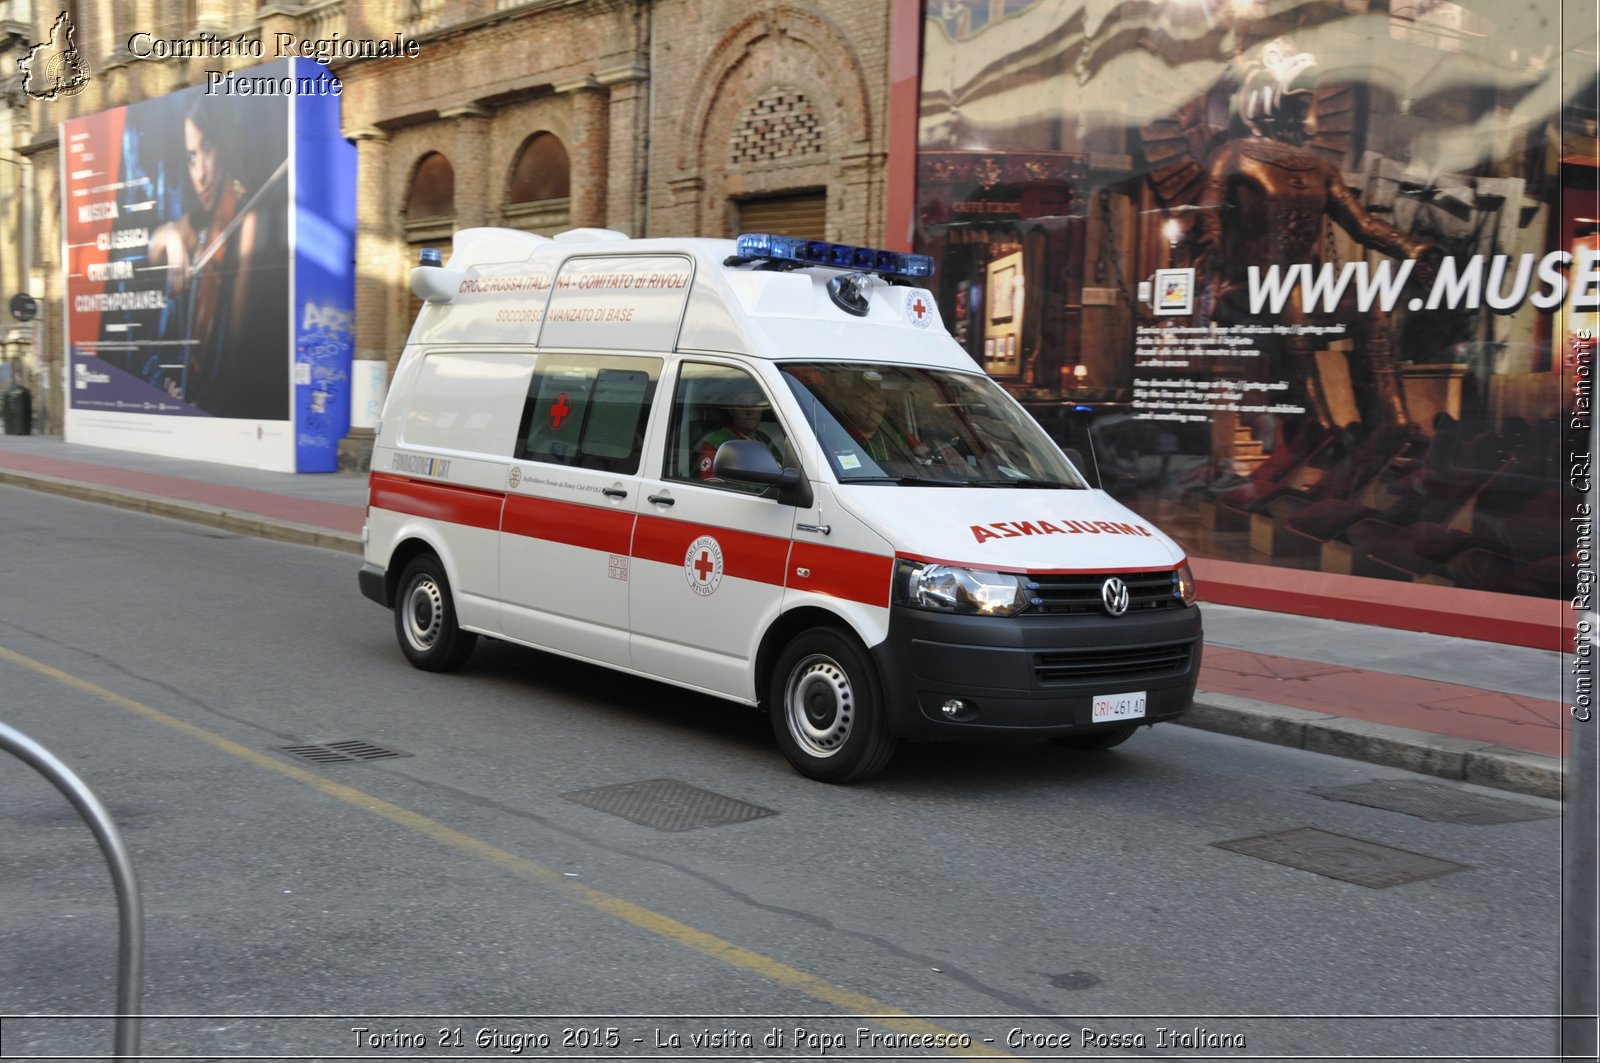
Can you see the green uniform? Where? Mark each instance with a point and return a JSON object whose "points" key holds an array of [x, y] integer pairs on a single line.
{"points": [[706, 451]]}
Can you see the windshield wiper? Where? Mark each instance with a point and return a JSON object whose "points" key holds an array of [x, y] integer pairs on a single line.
{"points": [[1042, 485], [923, 481]]}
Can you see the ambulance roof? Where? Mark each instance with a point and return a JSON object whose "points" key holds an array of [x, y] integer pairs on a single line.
{"points": [[764, 296]]}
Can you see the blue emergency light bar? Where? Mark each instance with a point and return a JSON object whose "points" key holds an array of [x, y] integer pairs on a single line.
{"points": [[795, 252], [430, 256]]}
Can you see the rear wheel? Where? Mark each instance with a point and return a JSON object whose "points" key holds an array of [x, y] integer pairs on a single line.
{"points": [[827, 711], [1097, 740], [425, 618]]}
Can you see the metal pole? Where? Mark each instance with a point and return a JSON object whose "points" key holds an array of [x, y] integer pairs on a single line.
{"points": [[130, 914]]}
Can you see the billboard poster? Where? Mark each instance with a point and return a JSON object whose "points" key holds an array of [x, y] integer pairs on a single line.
{"points": [[1306, 270], [209, 283]]}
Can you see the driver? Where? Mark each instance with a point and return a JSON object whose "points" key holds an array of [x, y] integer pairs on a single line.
{"points": [[861, 408], [744, 412]]}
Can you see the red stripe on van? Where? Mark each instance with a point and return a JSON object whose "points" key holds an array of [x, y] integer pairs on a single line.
{"points": [[569, 523], [840, 573], [472, 506], [744, 554]]}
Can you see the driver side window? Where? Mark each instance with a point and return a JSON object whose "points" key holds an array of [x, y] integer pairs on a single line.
{"points": [[712, 405]]}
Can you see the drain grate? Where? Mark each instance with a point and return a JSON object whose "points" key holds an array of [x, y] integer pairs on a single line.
{"points": [[1337, 856], [1431, 801], [668, 805], [344, 751]]}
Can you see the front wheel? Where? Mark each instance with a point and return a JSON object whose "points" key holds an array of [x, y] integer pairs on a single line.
{"points": [[827, 712], [425, 618]]}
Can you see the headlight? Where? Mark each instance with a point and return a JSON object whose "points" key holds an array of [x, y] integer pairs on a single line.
{"points": [[1183, 584], [949, 589]]}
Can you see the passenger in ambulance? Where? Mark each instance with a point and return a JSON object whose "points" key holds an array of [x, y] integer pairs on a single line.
{"points": [[744, 416]]}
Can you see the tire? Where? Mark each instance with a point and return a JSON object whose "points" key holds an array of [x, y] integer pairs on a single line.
{"points": [[1095, 741], [425, 618], [827, 710]]}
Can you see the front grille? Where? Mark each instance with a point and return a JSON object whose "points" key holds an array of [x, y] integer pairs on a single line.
{"points": [[1128, 662], [1079, 592]]}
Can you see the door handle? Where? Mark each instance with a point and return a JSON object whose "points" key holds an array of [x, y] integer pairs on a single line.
{"points": [[820, 529], [661, 500], [613, 492]]}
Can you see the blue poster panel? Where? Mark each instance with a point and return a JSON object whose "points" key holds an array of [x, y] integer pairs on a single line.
{"points": [[324, 288]]}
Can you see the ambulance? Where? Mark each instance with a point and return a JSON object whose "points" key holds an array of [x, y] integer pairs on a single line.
{"points": [[761, 469]]}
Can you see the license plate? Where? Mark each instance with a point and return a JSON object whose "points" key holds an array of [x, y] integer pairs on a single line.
{"points": [[1108, 707]]}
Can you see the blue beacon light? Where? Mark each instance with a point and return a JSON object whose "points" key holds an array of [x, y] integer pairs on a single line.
{"points": [[430, 256], [796, 252]]}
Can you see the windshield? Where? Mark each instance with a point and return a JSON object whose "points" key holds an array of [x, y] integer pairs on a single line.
{"points": [[909, 425]]}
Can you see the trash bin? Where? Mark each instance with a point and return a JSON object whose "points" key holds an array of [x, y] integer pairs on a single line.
{"points": [[17, 405]]}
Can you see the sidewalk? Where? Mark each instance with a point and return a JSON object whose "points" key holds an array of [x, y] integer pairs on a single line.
{"points": [[1480, 712]]}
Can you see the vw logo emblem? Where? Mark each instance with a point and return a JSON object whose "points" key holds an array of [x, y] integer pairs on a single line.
{"points": [[1114, 594]]}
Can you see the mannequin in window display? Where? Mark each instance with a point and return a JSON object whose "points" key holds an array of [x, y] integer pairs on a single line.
{"points": [[1266, 197]]}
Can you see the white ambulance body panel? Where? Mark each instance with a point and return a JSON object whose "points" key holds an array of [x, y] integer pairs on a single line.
{"points": [[1018, 529], [662, 456]]}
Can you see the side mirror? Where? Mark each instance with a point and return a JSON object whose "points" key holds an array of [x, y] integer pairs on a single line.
{"points": [[1091, 476], [747, 462]]}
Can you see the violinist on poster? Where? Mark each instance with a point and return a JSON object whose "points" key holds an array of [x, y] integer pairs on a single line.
{"points": [[208, 253]]}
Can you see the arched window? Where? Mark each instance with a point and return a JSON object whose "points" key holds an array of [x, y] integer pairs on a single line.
{"points": [[430, 213], [433, 189], [541, 170], [538, 191]]}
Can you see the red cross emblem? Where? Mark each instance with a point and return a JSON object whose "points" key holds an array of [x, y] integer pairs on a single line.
{"points": [[918, 310], [559, 411], [702, 565]]}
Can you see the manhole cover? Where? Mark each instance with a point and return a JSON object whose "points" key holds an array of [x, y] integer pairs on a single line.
{"points": [[668, 805], [1431, 801], [343, 751], [1336, 856]]}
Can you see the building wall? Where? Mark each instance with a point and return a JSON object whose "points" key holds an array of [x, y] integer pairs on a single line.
{"points": [[652, 102], [669, 110]]}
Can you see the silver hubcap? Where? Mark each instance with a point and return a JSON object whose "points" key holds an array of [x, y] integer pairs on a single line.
{"points": [[819, 705], [424, 614]]}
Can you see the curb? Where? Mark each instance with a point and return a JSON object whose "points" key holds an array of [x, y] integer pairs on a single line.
{"points": [[1465, 760], [1462, 759], [194, 512]]}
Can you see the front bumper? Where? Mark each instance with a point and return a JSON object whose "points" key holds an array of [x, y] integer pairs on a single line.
{"points": [[374, 583], [1033, 675]]}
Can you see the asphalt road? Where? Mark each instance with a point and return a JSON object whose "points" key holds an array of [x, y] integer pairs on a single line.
{"points": [[1016, 893]]}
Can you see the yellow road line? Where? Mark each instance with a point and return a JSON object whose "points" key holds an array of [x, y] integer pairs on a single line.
{"points": [[708, 945]]}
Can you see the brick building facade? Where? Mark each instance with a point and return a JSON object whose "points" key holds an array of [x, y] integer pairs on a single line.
{"points": [[654, 117]]}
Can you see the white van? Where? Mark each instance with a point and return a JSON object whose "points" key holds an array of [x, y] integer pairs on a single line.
{"points": [[759, 468]]}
